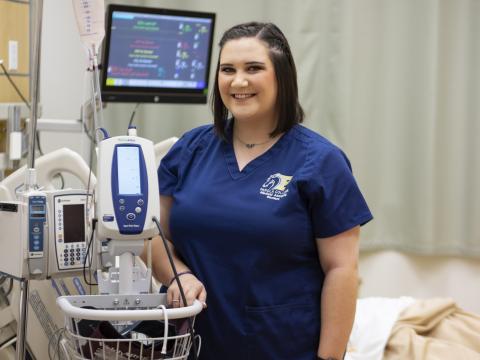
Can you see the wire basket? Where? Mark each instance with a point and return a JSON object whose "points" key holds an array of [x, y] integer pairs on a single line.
{"points": [[126, 327]]}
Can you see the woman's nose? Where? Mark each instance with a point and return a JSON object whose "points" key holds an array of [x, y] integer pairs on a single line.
{"points": [[239, 80]]}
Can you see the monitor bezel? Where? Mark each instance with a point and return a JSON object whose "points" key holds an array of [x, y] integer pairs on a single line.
{"points": [[146, 94]]}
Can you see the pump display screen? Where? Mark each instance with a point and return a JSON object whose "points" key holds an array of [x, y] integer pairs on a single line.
{"points": [[37, 208], [74, 223], [128, 160]]}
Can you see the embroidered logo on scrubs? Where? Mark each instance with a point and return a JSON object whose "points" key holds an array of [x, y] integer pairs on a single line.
{"points": [[275, 188]]}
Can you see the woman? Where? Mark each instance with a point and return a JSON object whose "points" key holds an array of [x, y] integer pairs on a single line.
{"points": [[262, 214]]}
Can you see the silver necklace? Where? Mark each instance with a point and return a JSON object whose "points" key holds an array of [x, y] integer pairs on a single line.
{"points": [[252, 145]]}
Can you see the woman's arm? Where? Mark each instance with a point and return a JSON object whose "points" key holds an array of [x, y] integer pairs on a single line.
{"points": [[339, 260], [162, 269]]}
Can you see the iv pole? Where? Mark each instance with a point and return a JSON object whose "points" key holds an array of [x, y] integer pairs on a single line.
{"points": [[30, 177]]}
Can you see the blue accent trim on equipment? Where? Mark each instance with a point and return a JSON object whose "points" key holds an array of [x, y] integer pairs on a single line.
{"points": [[37, 206], [104, 132], [64, 287], [55, 286], [108, 218], [124, 205], [78, 285]]}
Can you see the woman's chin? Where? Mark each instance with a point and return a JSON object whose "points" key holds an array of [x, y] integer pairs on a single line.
{"points": [[245, 115]]}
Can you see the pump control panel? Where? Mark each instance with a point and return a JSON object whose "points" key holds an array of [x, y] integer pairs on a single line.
{"points": [[37, 216]]}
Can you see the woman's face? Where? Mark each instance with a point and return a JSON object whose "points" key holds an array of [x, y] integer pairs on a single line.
{"points": [[246, 80]]}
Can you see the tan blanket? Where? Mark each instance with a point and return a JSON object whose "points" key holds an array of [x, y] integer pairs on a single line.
{"points": [[434, 329]]}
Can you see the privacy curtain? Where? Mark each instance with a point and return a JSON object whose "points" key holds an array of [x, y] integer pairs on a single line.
{"points": [[396, 84], [400, 91]]}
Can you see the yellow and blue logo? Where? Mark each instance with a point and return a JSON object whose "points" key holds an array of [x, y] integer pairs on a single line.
{"points": [[275, 187]]}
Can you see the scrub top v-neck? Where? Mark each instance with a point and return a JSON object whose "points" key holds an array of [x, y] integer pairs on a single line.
{"points": [[249, 236], [231, 159]]}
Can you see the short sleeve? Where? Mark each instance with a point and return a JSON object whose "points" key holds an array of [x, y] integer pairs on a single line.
{"points": [[173, 163], [335, 201], [168, 171]]}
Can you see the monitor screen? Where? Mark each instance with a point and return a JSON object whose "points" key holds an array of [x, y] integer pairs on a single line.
{"points": [[129, 171], [156, 55]]}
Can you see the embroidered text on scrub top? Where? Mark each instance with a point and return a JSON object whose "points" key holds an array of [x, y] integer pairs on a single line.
{"points": [[275, 188]]}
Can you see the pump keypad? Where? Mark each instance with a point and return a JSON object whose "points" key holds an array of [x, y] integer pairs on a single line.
{"points": [[73, 255]]}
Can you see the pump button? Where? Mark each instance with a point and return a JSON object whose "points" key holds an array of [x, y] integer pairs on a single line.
{"points": [[140, 202], [138, 210], [121, 201], [131, 216], [36, 229]]}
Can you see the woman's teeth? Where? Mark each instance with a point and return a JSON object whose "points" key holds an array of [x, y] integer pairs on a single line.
{"points": [[242, 96]]}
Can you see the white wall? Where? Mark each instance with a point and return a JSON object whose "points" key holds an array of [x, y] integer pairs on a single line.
{"points": [[62, 74], [393, 274], [384, 273]]}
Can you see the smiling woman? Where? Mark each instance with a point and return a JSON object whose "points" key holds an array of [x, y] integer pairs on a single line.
{"points": [[247, 83], [263, 214]]}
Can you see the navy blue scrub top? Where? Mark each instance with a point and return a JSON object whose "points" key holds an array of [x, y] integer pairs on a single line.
{"points": [[249, 236]]}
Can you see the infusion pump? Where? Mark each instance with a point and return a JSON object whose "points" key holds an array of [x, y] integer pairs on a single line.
{"points": [[45, 234], [69, 218]]}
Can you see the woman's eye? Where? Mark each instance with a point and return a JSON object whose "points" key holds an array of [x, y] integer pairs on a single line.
{"points": [[227, 70]]}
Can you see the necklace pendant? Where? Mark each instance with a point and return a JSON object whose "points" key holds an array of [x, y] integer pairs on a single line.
{"points": [[249, 146]]}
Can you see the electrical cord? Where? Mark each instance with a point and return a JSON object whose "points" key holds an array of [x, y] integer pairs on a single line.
{"points": [[180, 287], [10, 287], [89, 254], [133, 115], [54, 344], [13, 84], [90, 164]]}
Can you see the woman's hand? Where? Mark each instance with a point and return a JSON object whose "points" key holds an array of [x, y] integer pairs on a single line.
{"points": [[192, 288]]}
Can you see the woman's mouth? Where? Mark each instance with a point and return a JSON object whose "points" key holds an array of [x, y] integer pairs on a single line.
{"points": [[242, 96]]}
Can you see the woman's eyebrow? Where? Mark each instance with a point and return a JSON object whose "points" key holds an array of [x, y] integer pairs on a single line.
{"points": [[247, 63]]}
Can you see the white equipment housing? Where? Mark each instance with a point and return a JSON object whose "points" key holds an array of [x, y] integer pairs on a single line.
{"points": [[14, 261], [68, 234], [47, 238], [127, 200], [116, 210]]}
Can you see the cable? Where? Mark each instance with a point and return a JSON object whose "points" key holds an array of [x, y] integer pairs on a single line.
{"points": [[87, 131], [19, 93], [103, 131], [62, 179], [94, 223], [133, 115], [180, 287], [54, 344], [13, 84], [10, 287], [90, 163]]}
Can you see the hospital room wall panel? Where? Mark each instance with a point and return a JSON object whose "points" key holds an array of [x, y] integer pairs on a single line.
{"points": [[14, 26], [8, 93], [394, 274]]}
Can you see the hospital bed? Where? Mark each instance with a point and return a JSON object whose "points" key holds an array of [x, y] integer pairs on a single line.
{"points": [[413, 329]]}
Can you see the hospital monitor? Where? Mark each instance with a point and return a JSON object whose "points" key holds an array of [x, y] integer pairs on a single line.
{"points": [[156, 55]]}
